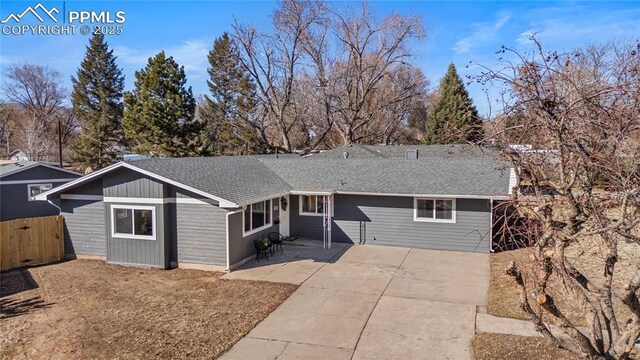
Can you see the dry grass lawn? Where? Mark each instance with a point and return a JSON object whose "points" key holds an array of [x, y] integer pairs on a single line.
{"points": [[87, 309], [503, 293], [508, 347]]}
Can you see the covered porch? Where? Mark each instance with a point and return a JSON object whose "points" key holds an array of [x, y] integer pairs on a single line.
{"points": [[298, 260]]}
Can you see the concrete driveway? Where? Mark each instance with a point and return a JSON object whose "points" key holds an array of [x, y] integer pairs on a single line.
{"points": [[371, 302]]}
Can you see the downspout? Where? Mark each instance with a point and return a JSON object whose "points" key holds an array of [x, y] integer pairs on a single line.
{"points": [[59, 208], [229, 213], [491, 228]]}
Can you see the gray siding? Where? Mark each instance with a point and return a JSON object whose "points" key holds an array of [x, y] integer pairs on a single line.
{"points": [[138, 251], [90, 188], [155, 253], [15, 204], [198, 234], [14, 198], [306, 226], [240, 246], [84, 227], [128, 183], [388, 220]]}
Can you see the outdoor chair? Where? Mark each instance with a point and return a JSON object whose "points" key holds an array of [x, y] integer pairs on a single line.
{"points": [[262, 248], [276, 239]]}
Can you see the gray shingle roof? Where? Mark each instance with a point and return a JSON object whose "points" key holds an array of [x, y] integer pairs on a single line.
{"points": [[239, 179], [15, 167], [480, 176], [398, 151], [10, 168], [247, 179]]}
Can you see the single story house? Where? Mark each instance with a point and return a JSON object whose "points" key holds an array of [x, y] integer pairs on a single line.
{"points": [[18, 155], [206, 212], [21, 181]]}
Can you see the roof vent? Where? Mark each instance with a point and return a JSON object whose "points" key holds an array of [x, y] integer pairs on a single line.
{"points": [[411, 154], [345, 154]]}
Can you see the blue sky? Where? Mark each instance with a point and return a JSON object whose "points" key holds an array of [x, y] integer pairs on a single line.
{"points": [[457, 31]]}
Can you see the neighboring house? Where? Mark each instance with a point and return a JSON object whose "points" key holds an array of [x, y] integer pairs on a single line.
{"points": [[18, 155], [21, 181], [190, 212]]}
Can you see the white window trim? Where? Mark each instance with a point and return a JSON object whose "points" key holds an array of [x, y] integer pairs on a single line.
{"points": [[268, 206], [36, 184], [133, 236], [303, 213], [415, 211]]}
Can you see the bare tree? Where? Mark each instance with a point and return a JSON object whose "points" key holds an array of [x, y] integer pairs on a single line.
{"points": [[273, 62], [373, 52], [7, 128], [38, 91], [322, 73], [579, 182]]}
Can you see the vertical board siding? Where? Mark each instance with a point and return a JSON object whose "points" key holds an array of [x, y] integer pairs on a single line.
{"points": [[388, 220], [154, 253], [138, 251], [31, 241], [129, 183], [84, 227], [240, 246]]}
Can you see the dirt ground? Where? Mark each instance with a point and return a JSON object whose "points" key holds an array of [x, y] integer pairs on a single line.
{"points": [[503, 293], [508, 347], [87, 309]]}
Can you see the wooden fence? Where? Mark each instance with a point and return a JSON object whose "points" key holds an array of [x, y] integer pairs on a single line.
{"points": [[31, 241]]}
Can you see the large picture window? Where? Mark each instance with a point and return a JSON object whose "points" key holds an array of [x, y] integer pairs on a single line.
{"points": [[257, 216], [311, 204], [437, 210], [133, 222], [37, 189]]}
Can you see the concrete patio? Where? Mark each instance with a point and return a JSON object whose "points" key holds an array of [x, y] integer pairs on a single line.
{"points": [[368, 302]]}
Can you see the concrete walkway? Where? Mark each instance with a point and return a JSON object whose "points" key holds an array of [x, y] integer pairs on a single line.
{"points": [[369, 302]]}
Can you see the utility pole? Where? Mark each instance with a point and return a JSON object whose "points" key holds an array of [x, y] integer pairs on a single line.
{"points": [[60, 141]]}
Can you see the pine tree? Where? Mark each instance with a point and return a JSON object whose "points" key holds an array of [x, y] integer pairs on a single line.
{"points": [[454, 118], [225, 114], [159, 112], [97, 105]]}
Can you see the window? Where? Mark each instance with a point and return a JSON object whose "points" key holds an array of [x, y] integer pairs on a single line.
{"points": [[133, 222], [437, 210], [257, 216], [311, 204], [37, 189]]}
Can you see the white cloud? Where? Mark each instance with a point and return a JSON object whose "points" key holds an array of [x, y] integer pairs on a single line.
{"points": [[482, 33], [577, 26]]}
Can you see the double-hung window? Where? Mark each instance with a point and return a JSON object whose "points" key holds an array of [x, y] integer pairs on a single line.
{"points": [[133, 222], [436, 210], [311, 205], [37, 189], [257, 216]]}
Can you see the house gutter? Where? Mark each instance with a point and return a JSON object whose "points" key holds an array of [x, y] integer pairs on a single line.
{"points": [[228, 240]]}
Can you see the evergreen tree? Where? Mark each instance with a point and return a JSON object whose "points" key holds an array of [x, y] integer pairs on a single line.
{"points": [[226, 113], [454, 118], [97, 105], [159, 112]]}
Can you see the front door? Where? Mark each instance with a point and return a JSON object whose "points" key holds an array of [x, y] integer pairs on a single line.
{"points": [[284, 215]]}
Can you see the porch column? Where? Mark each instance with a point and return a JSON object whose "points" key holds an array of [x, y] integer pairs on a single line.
{"points": [[326, 221]]}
